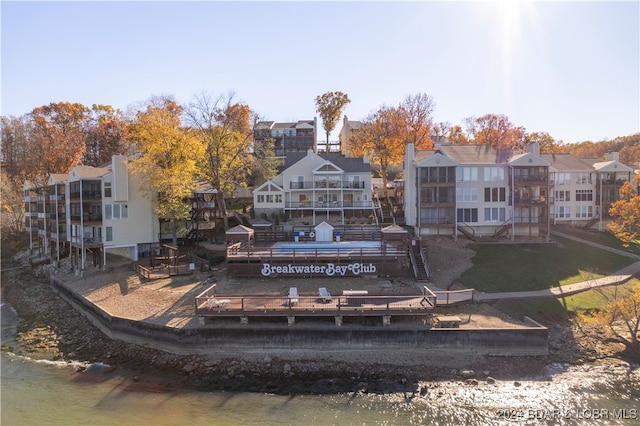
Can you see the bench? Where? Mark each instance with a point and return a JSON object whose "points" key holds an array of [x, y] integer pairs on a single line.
{"points": [[447, 321], [355, 293], [324, 295], [293, 296]]}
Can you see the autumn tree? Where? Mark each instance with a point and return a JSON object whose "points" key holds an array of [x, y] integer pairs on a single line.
{"points": [[266, 162], [548, 145], [16, 133], [626, 214], [330, 106], [457, 135], [495, 130], [416, 112], [167, 159], [619, 319], [11, 205], [225, 128], [58, 140], [381, 138], [106, 135]]}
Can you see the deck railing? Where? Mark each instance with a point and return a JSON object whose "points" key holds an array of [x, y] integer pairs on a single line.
{"points": [[208, 303]]}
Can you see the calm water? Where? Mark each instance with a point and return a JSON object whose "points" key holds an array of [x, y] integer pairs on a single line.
{"points": [[36, 392]]}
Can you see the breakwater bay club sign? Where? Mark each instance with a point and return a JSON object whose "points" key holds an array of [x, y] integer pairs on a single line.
{"points": [[329, 269]]}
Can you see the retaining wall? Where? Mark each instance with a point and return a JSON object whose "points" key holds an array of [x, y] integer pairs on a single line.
{"points": [[250, 338]]}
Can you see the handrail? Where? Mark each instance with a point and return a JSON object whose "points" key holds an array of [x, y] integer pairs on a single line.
{"points": [[260, 305], [423, 256]]}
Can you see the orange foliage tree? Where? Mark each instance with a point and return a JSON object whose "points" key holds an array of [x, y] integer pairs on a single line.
{"points": [[381, 138], [106, 135], [58, 140], [416, 111], [495, 130], [626, 214]]}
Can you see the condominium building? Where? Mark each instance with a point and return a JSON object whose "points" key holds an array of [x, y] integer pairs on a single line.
{"points": [[92, 211], [291, 137], [317, 186], [477, 191]]}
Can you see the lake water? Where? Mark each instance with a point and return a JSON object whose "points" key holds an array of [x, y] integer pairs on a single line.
{"points": [[38, 392]]}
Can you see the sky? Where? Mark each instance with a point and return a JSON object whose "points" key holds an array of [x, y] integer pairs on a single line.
{"points": [[571, 69]]}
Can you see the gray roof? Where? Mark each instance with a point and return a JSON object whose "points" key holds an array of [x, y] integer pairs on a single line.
{"points": [[476, 154], [348, 164], [567, 162]]}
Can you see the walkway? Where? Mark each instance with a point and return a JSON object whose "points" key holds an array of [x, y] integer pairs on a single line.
{"points": [[621, 276]]}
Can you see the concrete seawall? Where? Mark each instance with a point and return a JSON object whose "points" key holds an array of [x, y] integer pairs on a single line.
{"points": [[322, 338]]}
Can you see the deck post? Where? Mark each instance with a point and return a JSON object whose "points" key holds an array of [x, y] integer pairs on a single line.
{"points": [[386, 320], [338, 320], [244, 320], [291, 319]]}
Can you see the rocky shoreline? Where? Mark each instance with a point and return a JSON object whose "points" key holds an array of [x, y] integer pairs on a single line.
{"points": [[49, 328]]}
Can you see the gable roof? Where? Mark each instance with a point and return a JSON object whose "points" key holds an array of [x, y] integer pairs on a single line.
{"points": [[240, 230], [271, 185], [476, 154], [567, 162], [348, 164], [88, 171]]}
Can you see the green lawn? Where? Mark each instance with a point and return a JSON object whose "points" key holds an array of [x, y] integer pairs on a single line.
{"points": [[560, 307], [528, 267], [511, 267]]}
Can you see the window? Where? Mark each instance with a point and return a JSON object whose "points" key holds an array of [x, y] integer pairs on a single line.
{"points": [[468, 174], [107, 211], [278, 198], [584, 211], [124, 211], [467, 215], [269, 198], [116, 211], [563, 178], [493, 174], [584, 195], [495, 194], [563, 195], [107, 189], [109, 233], [260, 198], [563, 212], [466, 194], [583, 178], [495, 214]]}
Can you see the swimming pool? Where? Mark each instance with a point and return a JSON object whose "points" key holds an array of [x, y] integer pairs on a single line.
{"points": [[329, 246]]}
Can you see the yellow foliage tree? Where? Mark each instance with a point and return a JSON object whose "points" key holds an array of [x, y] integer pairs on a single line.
{"points": [[225, 128], [330, 105], [167, 160], [619, 319], [626, 214]]}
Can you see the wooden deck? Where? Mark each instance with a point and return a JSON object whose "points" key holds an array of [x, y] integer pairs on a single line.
{"points": [[212, 305]]}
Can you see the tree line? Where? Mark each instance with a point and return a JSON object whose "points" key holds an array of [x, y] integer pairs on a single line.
{"points": [[211, 139]]}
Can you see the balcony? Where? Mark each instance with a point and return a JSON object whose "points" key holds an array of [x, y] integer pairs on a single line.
{"points": [[328, 205], [87, 218], [341, 184], [529, 200], [86, 195]]}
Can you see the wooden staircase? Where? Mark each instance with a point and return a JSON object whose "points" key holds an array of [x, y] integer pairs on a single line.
{"points": [[420, 269]]}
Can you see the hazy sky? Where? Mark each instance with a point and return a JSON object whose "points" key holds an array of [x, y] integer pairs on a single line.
{"points": [[571, 69]]}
